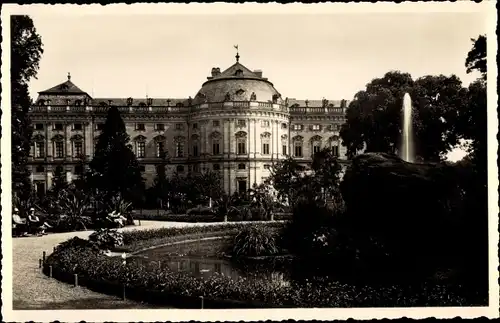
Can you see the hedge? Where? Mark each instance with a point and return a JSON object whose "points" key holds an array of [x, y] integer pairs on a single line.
{"points": [[196, 218], [149, 283]]}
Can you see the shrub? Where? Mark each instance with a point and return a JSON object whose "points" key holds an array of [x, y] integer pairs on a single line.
{"points": [[106, 238], [255, 241], [200, 210], [150, 283]]}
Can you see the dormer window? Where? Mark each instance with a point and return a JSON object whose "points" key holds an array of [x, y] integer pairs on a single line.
{"points": [[41, 102], [130, 101], [64, 87], [78, 103], [239, 73]]}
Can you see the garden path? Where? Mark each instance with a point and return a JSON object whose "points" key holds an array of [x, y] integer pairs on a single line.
{"points": [[33, 290]]}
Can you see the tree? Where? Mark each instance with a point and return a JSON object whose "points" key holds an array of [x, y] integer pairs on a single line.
{"points": [[374, 116], [26, 51], [285, 178], [161, 183], [59, 181], [114, 168], [476, 58]]}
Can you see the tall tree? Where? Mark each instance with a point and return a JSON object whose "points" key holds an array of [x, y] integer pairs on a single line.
{"points": [[374, 116], [161, 183], [476, 58], [286, 179], [114, 168], [26, 51]]}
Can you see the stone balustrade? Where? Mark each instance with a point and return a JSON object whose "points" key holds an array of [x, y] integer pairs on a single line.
{"points": [[234, 105]]}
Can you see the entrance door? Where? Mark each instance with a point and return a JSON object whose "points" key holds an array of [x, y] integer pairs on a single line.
{"points": [[242, 186]]}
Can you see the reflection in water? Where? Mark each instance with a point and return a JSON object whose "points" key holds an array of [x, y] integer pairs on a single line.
{"points": [[202, 262]]}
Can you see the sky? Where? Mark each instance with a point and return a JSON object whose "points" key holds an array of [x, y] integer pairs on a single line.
{"points": [[306, 56]]}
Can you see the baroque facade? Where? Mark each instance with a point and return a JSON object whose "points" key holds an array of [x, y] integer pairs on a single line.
{"points": [[237, 124]]}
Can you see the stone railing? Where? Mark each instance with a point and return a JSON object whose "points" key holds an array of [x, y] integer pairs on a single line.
{"points": [[233, 105], [316, 110]]}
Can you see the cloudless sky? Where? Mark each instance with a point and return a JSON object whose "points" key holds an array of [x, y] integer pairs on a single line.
{"points": [[306, 56]]}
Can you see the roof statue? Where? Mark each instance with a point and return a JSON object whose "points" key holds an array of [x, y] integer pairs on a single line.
{"points": [[237, 54]]}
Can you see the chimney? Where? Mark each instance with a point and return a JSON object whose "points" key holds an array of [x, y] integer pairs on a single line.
{"points": [[258, 73]]}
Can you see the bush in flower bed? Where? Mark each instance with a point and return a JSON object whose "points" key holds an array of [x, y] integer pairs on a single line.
{"points": [[150, 283], [255, 241]]}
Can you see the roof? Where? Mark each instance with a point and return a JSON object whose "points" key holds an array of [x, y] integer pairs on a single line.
{"points": [[67, 87], [315, 103]]}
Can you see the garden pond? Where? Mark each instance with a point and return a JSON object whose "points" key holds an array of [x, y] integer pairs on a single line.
{"points": [[205, 258]]}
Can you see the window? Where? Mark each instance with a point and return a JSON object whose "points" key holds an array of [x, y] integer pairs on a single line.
{"points": [[58, 126], [316, 148], [265, 148], [316, 127], [99, 126], [335, 150], [142, 168], [40, 149], [216, 123], [180, 168], [241, 166], [140, 127], [242, 123], [179, 149], [284, 149], [39, 126], [195, 126], [215, 147], [284, 126], [159, 127], [141, 149], [265, 123], [160, 148], [242, 148], [266, 166], [196, 168], [216, 167], [58, 149], [298, 149], [40, 169], [179, 126], [77, 126], [77, 148], [78, 170], [195, 150], [297, 127]]}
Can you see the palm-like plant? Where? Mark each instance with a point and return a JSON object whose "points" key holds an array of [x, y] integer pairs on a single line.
{"points": [[73, 204]]}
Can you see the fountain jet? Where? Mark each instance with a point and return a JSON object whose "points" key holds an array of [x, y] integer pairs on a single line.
{"points": [[407, 152]]}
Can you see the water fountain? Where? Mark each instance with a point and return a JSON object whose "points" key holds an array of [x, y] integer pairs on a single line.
{"points": [[407, 152]]}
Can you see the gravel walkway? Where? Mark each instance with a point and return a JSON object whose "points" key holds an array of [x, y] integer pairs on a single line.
{"points": [[33, 290]]}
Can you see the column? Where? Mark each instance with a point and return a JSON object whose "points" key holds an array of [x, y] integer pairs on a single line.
{"points": [[232, 141], [89, 139]]}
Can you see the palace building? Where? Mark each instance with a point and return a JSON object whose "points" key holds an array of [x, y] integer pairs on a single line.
{"points": [[237, 124]]}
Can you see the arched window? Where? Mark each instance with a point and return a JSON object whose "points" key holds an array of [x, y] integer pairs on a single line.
{"points": [[241, 166], [41, 102], [58, 146], [39, 145], [335, 145], [140, 146], [266, 143], [78, 149], [179, 146], [241, 142], [316, 144], [215, 137], [298, 142], [284, 144], [160, 146]]}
